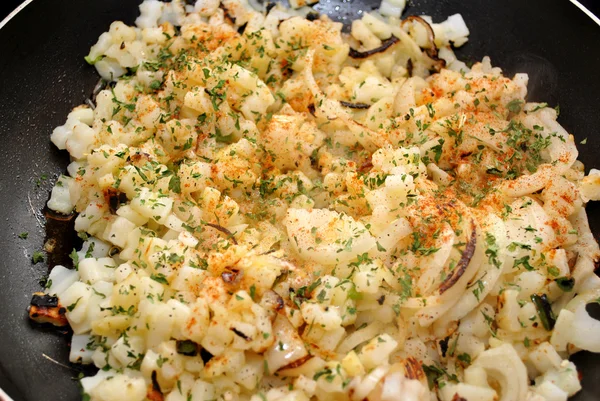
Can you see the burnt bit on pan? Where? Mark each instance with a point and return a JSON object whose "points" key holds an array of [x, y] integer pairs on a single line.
{"points": [[61, 237], [45, 308]]}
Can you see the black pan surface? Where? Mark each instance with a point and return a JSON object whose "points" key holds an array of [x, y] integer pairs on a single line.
{"points": [[43, 75]]}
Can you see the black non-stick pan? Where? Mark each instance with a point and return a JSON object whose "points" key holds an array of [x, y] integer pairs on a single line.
{"points": [[43, 75]]}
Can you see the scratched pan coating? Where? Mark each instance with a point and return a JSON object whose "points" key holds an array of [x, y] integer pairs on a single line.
{"points": [[43, 75]]}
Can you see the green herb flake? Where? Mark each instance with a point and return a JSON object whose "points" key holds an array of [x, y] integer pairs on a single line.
{"points": [[37, 257]]}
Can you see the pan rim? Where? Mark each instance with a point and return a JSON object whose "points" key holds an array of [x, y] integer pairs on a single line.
{"points": [[12, 15], [3, 395], [583, 8]]}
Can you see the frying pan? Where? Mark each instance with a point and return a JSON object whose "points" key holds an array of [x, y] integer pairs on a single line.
{"points": [[43, 75]]}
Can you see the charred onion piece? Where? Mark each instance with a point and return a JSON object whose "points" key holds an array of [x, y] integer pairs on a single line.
{"points": [[354, 105], [544, 310], [240, 334], [464, 261], [433, 51], [409, 67], [45, 308], [224, 231], [154, 393], [205, 355], [313, 15], [186, 347], [226, 12], [270, 6], [242, 28], [114, 199], [44, 300], [386, 44], [428, 28]]}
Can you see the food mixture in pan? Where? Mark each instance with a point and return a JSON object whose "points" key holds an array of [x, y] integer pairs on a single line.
{"points": [[275, 210]]}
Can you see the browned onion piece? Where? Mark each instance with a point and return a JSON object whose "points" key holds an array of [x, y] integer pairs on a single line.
{"points": [[413, 369], [366, 166], [572, 259], [386, 44], [232, 276], [224, 231], [272, 301], [464, 261], [354, 105], [298, 363]]}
